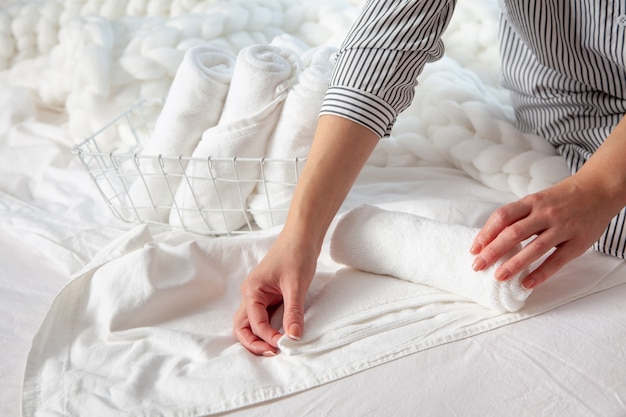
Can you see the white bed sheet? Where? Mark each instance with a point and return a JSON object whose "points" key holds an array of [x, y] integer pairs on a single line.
{"points": [[568, 361], [28, 284]]}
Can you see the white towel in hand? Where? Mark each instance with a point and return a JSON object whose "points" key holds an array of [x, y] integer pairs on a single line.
{"points": [[292, 139], [422, 251], [194, 104], [213, 199]]}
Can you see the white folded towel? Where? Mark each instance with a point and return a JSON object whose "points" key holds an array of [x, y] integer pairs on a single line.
{"points": [[213, 198], [262, 72], [292, 139], [194, 104], [291, 43], [423, 251]]}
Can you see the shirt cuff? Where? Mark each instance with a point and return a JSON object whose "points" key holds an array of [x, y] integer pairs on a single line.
{"points": [[360, 107]]}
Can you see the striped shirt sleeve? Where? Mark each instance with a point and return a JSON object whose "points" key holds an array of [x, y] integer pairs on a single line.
{"points": [[381, 57]]}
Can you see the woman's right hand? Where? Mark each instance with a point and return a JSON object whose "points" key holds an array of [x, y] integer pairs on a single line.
{"points": [[283, 276], [339, 151]]}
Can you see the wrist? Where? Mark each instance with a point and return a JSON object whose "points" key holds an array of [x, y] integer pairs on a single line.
{"points": [[604, 174], [603, 191], [305, 230]]}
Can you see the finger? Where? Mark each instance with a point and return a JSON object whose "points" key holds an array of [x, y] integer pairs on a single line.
{"points": [[508, 239], [534, 250], [259, 319], [553, 263], [243, 333], [254, 344], [293, 316], [497, 222]]}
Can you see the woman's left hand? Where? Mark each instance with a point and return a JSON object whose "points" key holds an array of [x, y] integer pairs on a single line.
{"points": [[566, 218]]}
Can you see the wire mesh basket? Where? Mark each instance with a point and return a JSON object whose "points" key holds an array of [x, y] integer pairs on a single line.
{"points": [[216, 195]]}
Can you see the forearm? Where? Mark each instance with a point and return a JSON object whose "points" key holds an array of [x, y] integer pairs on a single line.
{"points": [[373, 82], [604, 174], [339, 152]]}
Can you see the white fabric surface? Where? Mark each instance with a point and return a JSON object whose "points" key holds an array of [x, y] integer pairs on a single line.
{"points": [[423, 251], [29, 281], [117, 312], [569, 360], [194, 104], [261, 80]]}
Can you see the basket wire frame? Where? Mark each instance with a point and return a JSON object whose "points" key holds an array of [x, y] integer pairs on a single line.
{"points": [[112, 157]]}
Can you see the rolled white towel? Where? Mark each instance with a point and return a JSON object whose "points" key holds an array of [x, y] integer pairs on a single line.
{"points": [[213, 198], [423, 251], [290, 42], [262, 72], [194, 104], [291, 139]]}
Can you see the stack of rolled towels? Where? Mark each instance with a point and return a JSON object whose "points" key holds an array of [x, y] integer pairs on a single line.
{"points": [[194, 103], [226, 146], [423, 251]]}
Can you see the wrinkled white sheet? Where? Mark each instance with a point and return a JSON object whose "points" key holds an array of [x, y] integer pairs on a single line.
{"points": [[569, 360], [159, 308]]}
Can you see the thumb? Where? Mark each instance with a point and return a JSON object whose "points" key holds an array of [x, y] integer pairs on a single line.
{"points": [[293, 315]]}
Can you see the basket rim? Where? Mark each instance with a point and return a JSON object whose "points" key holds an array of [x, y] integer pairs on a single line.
{"points": [[136, 152]]}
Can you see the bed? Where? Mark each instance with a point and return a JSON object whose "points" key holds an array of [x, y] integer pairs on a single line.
{"points": [[102, 316]]}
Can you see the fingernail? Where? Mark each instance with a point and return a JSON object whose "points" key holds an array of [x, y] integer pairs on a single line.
{"points": [[478, 264], [295, 332], [475, 249], [502, 274], [529, 283], [269, 354]]}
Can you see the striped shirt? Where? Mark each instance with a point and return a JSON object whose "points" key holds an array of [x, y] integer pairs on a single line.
{"points": [[564, 62]]}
